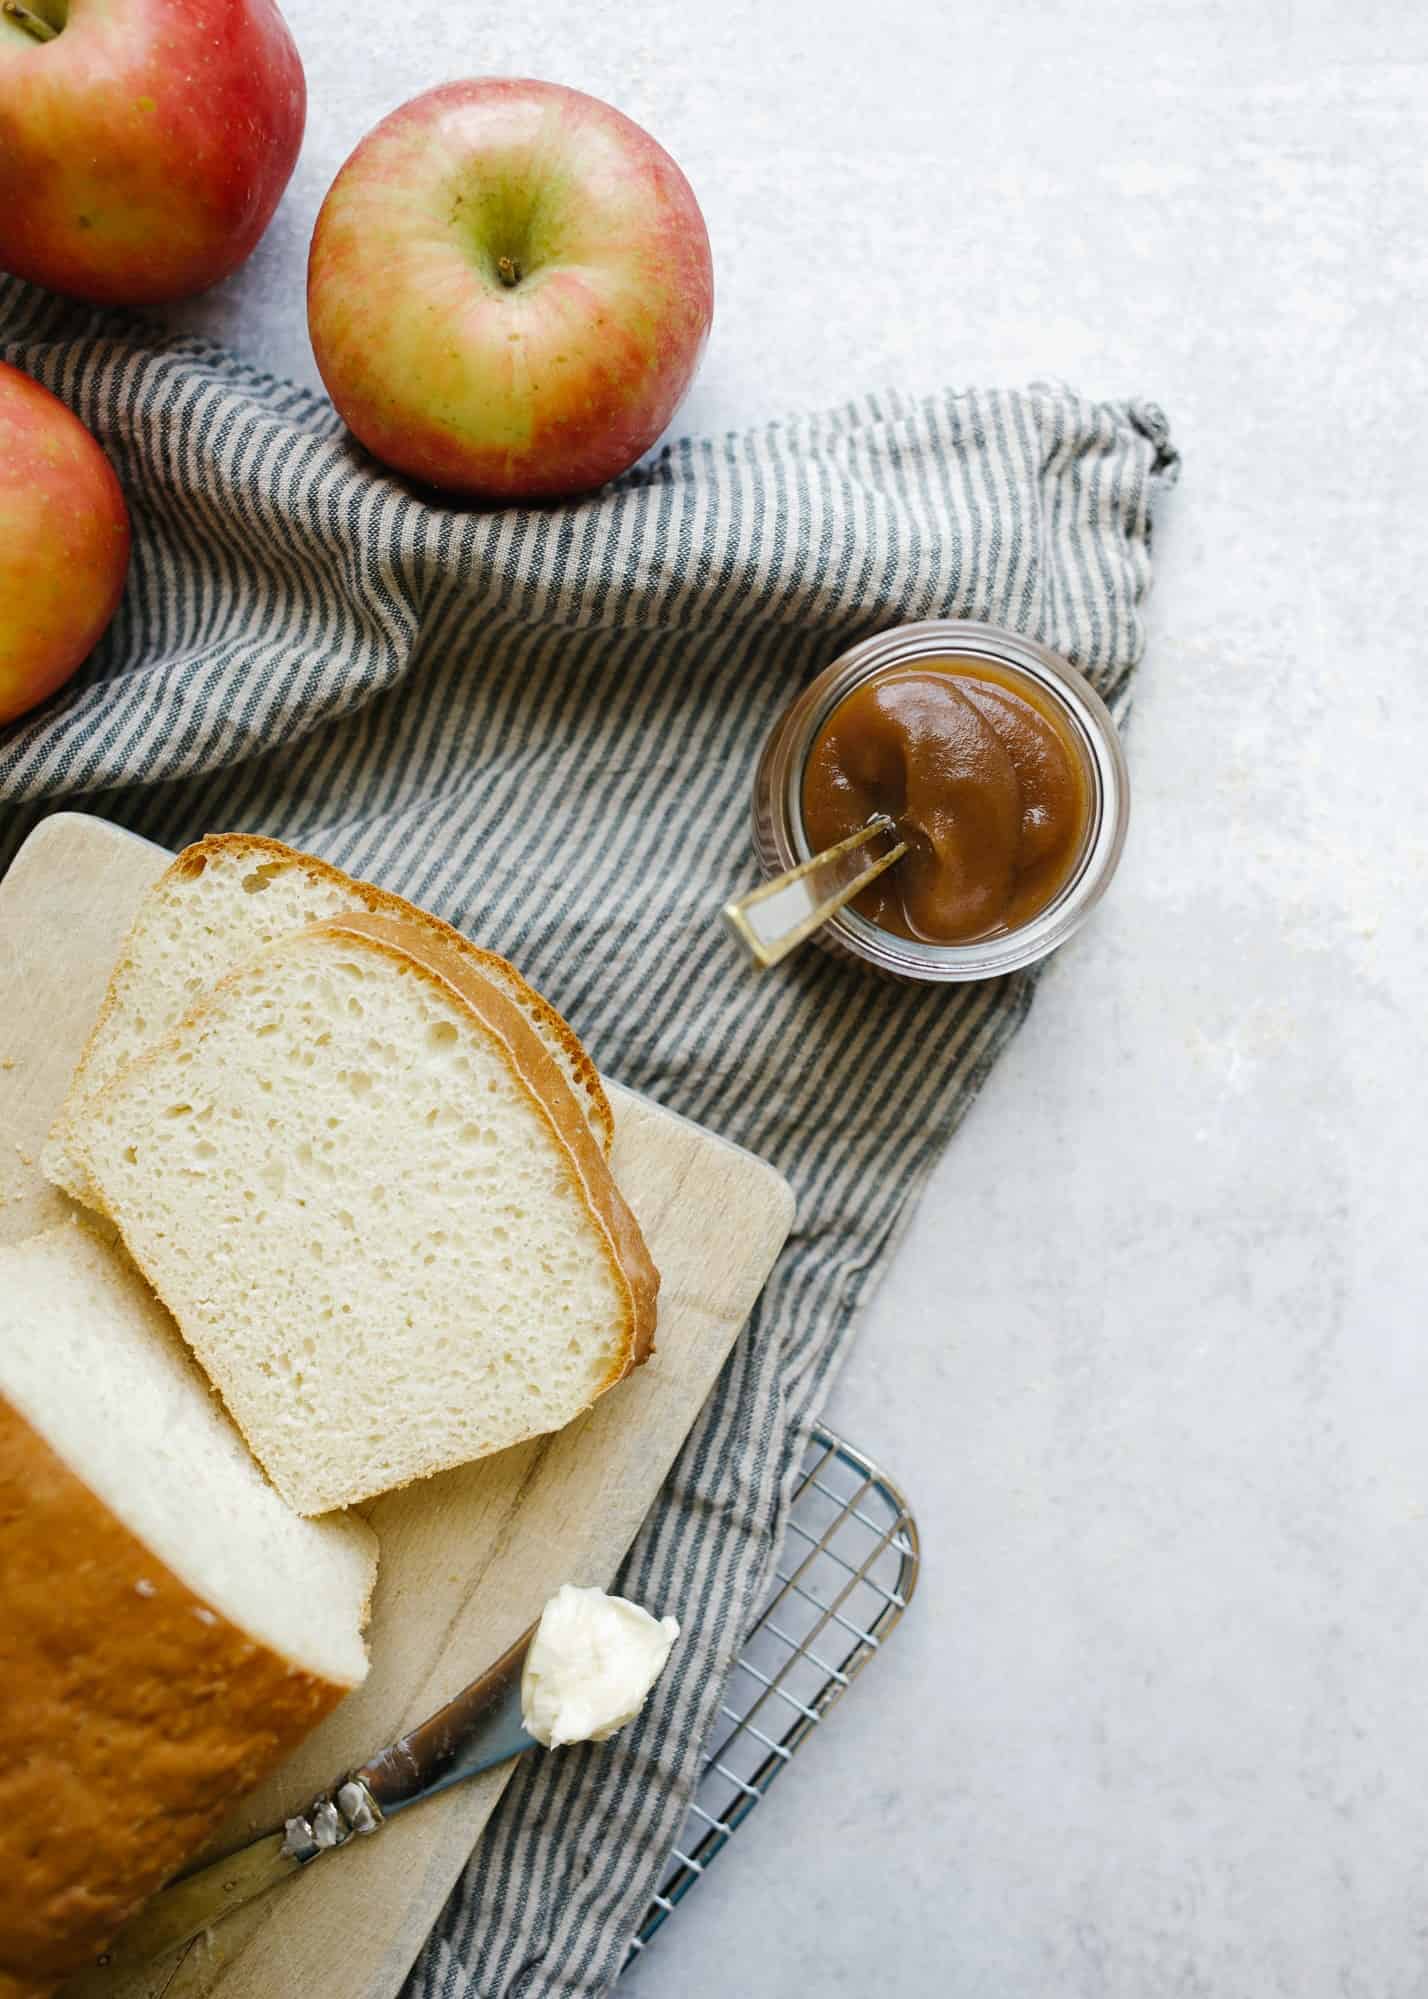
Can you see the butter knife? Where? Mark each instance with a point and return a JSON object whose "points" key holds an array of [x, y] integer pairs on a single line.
{"points": [[475, 1731]]}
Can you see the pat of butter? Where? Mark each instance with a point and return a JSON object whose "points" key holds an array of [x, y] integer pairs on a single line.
{"points": [[590, 1666]]}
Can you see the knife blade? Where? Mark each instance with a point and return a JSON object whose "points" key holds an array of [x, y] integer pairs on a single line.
{"points": [[477, 1729]]}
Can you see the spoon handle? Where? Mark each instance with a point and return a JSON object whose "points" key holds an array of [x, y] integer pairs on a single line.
{"points": [[773, 919]]}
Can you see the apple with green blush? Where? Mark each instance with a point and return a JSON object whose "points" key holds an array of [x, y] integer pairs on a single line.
{"points": [[144, 144], [509, 289]]}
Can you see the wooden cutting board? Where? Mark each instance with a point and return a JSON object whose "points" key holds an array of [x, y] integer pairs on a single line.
{"points": [[468, 1558]]}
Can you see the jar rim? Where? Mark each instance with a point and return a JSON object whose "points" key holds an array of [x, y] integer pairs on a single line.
{"points": [[778, 811]]}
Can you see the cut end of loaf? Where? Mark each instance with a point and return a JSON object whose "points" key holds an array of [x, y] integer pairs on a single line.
{"points": [[91, 1361], [171, 1629]]}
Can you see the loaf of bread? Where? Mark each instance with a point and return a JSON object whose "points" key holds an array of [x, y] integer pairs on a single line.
{"points": [[169, 1629], [225, 898], [361, 1183]]}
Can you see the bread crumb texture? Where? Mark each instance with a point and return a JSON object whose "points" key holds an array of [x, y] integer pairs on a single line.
{"points": [[362, 1220], [223, 900]]}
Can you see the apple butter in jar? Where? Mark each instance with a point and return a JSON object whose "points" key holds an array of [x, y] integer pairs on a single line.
{"points": [[987, 786], [996, 762]]}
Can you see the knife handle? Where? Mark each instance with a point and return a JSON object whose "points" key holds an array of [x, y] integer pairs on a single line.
{"points": [[332, 1820], [188, 1907], [480, 1728], [195, 1902]]}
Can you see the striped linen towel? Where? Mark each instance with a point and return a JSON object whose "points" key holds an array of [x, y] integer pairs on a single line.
{"points": [[308, 649]]}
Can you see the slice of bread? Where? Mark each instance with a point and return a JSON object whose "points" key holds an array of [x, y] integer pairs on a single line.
{"points": [[169, 1629], [221, 901], [361, 1183]]}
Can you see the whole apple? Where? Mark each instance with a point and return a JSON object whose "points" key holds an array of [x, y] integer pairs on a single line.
{"points": [[509, 290], [143, 143], [64, 543]]}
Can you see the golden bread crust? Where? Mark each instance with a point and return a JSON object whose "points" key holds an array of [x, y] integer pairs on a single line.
{"points": [[134, 1715]]}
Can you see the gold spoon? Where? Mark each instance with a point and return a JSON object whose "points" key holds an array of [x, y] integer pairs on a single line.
{"points": [[779, 915]]}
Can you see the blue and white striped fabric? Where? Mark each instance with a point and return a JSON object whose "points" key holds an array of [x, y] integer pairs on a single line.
{"points": [[543, 725]]}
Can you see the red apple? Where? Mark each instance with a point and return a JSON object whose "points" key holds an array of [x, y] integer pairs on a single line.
{"points": [[143, 143], [509, 290], [64, 543]]}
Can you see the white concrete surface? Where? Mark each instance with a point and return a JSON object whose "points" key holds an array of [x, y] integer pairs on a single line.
{"points": [[1152, 1362]]}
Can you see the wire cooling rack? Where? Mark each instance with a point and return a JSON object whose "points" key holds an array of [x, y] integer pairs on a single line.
{"points": [[845, 1577]]}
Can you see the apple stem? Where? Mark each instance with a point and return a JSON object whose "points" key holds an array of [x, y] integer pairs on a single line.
{"points": [[507, 269], [34, 25]]}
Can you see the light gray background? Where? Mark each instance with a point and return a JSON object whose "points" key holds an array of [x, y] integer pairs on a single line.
{"points": [[1151, 1361]]}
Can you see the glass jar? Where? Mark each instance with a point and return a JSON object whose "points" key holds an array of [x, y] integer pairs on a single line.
{"points": [[781, 843]]}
